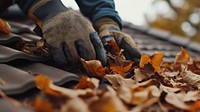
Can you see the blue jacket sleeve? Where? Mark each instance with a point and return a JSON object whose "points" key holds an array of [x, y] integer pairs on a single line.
{"points": [[25, 4], [96, 9]]}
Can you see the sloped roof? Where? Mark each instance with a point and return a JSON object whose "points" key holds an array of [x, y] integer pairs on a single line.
{"points": [[17, 69]]}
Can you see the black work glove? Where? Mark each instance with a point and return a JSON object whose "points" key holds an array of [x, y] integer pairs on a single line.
{"points": [[108, 28], [68, 33]]}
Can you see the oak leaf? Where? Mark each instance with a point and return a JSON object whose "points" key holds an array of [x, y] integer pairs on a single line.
{"points": [[154, 60]]}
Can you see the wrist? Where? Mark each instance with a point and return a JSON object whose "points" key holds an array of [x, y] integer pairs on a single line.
{"points": [[105, 23], [108, 27]]}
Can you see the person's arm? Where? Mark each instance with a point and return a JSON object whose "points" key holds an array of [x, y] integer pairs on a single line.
{"points": [[107, 22], [67, 32], [96, 9]]}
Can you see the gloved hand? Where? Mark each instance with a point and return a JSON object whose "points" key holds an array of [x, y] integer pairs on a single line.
{"points": [[67, 32], [109, 28]]}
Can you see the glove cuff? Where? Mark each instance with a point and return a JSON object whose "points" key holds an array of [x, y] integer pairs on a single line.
{"points": [[45, 9], [105, 23]]}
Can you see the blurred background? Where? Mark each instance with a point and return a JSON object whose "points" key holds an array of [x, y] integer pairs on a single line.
{"points": [[181, 17]]}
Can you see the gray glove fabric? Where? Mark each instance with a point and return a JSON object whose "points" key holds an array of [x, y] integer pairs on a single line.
{"points": [[72, 36]]}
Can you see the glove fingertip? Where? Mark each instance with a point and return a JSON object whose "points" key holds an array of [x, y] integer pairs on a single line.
{"points": [[59, 56], [67, 53], [99, 49]]}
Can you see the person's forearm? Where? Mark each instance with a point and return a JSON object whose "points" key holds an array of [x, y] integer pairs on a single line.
{"points": [[96, 9]]}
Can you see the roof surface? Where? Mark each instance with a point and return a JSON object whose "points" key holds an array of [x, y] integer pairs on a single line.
{"points": [[17, 69]]}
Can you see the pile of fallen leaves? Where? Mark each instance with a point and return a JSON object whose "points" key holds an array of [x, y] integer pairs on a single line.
{"points": [[155, 85], [38, 48]]}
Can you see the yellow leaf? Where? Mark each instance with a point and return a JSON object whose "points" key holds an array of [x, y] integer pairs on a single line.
{"points": [[145, 59], [154, 60]]}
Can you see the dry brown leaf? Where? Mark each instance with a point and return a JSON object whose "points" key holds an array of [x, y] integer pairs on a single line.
{"points": [[194, 67], [170, 74], [174, 100], [195, 107], [111, 90], [4, 26], [125, 94], [139, 75], [115, 49], [108, 103], [140, 97], [43, 105], [168, 89], [120, 66], [189, 96], [142, 84], [192, 96], [75, 105], [162, 107], [86, 82], [137, 96], [191, 78], [142, 93], [146, 104], [93, 68], [182, 57], [70, 93], [154, 60], [145, 59], [117, 81], [43, 83], [46, 85]]}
